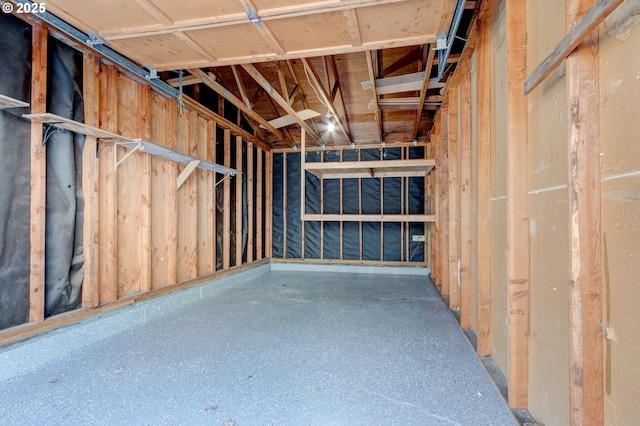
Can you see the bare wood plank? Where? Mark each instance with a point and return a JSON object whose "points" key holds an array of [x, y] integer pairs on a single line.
{"points": [[326, 99], [260, 178], [465, 195], [484, 188], [108, 256], [90, 175], [285, 202], [188, 80], [268, 229], [226, 218], [213, 201], [372, 81], [518, 209], [238, 207], [436, 234], [266, 85], [399, 218], [9, 102], [250, 204], [38, 176], [186, 172], [144, 94], [576, 35], [423, 94], [586, 346], [205, 188], [443, 177], [374, 168], [454, 201], [242, 106], [353, 26], [164, 239]]}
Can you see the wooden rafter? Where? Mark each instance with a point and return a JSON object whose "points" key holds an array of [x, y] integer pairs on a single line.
{"points": [[332, 62], [264, 29], [266, 85], [299, 92], [590, 21], [326, 98], [372, 79], [423, 94], [219, 89], [243, 94]]}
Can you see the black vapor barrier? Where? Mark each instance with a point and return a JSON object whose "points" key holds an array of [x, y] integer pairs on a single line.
{"points": [[64, 256], [15, 172], [355, 241]]}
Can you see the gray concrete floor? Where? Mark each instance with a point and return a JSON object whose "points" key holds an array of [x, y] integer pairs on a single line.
{"points": [[259, 348]]}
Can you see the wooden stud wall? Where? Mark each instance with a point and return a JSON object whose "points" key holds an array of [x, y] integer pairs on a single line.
{"points": [[141, 235]]}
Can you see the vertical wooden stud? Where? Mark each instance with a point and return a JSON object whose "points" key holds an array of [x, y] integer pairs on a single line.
{"points": [[284, 205], [108, 196], [268, 229], [444, 199], [465, 196], [586, 346], [90, 174], [164, 215], [454, 201], [238, 208], [484, 188], [213, 194], [187, 195], [38, 176], [144, 94], [204, 189], [259, 210], [250, 202], [226, 218], [517, 210]]}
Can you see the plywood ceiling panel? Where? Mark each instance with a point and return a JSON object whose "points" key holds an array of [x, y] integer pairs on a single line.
{"points": [[101, 16], [163, 51], [236, 41], [311, 32], [195, 10], [403, 22]]}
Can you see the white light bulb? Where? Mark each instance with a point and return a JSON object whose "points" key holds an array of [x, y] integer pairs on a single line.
{"points": [[331, 127]]}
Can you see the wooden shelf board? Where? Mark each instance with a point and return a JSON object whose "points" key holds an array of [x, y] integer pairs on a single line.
{"points": [[9, 102], [169, 154], [371, 169], [74, 126], [368, 218], [142, 145]]}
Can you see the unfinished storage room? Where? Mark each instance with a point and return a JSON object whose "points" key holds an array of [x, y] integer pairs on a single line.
{"points": [[285, 212]]}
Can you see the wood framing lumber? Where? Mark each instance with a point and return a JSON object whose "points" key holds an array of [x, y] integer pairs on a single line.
{"points": [[402, 83], [326, 98], [355, 169], [586, 275], [484, 189], [286, 120], [250, 204], [9, 102], [268, 226], [517, 207], [90, 180], [262, 81], [226, 212], [238, 207], [242, 106], [376, 100], [260, 178], [38, 176], [465, 196], [188, 170], [576, 34], [423, 94], [188, 80], [443, 160], [399, 218], [454, 200]]}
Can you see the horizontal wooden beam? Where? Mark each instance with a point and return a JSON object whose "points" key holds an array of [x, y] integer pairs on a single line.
{"points": [[187, 80], [366, 169], [414, 218], [222, 91], [403, 83], [589, 22], [8, 102]]}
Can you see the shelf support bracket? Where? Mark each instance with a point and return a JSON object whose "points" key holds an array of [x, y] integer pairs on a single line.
{"points": [[117, 162], [186, 173]]}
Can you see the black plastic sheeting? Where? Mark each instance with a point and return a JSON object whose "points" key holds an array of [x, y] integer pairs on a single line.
{"points": [[15, 172], [64, 256], [389, 236]]}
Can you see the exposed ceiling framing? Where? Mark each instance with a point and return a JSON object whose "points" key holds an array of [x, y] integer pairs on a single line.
{"points": [[292, 61]]}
